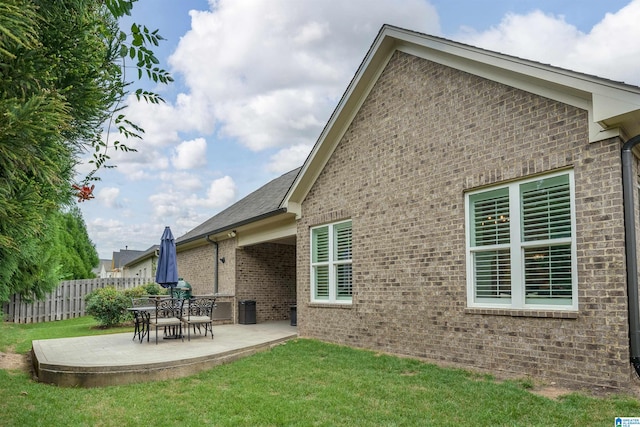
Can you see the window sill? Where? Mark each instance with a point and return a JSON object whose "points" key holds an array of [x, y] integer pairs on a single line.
{"points": [[329, 305], [553, 314]]}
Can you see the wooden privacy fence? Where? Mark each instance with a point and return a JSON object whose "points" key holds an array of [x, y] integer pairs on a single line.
{"points": [[65, 302]]}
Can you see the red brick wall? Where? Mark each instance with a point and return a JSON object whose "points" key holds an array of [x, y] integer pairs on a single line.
{"points": [[425, 135]]}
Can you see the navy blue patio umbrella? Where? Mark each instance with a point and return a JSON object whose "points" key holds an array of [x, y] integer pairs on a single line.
{"points": [[167, 271]]}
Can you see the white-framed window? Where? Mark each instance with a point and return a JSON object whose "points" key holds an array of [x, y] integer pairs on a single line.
{"points": [[331, 263], [521, 244]]}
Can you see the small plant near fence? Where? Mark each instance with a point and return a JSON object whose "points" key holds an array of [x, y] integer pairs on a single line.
{"points": [[109, 305], [148, 289]]}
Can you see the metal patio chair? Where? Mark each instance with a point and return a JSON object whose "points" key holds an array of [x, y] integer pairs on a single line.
{"points": [[168, 313], [141, 309], [199, 313]]}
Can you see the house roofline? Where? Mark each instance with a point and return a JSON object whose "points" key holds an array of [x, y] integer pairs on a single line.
{"points": [[233, 226], [149, 253], [613, 107]]}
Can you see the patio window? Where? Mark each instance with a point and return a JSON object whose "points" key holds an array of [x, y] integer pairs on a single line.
{"points": [[331, 278], [521, 245]]}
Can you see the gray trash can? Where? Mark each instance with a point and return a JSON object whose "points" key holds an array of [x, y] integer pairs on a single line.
{"points": [[246, 312], [294, 315]]}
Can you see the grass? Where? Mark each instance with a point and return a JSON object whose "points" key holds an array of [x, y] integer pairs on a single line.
{"points": [[300, 383], [18, 337]]}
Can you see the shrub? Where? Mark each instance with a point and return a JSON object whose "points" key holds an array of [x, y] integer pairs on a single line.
{"points": [[136, 292], [147, 289], [108, 306], [154, 289]]}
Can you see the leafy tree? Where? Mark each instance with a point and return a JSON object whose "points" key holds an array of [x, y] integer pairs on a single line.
{"points": [[71, 248], [62, 80]]}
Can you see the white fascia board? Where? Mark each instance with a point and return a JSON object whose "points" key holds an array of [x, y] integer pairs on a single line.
{"points": [[268, 233]]}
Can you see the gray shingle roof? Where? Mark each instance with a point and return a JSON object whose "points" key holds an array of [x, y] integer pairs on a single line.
{"points": [[123, 256], [263, 202], [145, 254]]}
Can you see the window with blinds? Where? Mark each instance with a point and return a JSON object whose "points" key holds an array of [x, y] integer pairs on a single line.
{"points": [[331, 277], [491, 236], [521, 244], [546, 217], [546, 209]]}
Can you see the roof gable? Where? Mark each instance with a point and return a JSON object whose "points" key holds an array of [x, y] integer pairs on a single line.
{"points": [[613, 107]]}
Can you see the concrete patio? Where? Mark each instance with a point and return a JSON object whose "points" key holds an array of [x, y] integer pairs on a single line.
{"points": [[104, 360]]}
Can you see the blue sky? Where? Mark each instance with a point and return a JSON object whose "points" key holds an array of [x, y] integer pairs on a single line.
{"points": [[255, 82]]}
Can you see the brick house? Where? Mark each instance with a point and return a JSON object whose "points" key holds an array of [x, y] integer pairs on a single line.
{"points": [[246, 252], [467, 207]]}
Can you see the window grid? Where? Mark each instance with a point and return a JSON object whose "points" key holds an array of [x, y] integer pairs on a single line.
{"points": [[522, 257], [331, 270]]}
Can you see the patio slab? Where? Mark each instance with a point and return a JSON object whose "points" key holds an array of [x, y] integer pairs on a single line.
{"points": [[105, 360]]}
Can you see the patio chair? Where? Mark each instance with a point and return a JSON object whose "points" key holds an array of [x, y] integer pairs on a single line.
{"points": [[141, 309], [199, 313], [167, 316]]}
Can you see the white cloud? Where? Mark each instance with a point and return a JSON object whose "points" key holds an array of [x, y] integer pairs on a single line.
{"points": [[529, 36], [277, 118], [190, 154], [275, 81], [115, 235], [222, 192], [108, 196], [176, 203], [183, 181], [141, 165], [166, 204], [160, 122], [609, 50], [288, 159]]}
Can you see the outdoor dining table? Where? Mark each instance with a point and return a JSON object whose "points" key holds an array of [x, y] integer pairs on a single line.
{"points": [[148, 316], [190, 312]]}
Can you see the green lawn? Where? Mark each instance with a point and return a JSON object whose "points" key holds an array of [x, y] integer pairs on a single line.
{"points": [[300, 383], [18, 337]]}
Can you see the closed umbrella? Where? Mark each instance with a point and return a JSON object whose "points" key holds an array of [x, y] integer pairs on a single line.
{"points": [[167, 271]]}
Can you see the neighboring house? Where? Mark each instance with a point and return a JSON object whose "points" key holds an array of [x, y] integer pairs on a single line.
{"points": [[246, 252], [462, 206], [103, 269], [144, 265], [120, 259]]}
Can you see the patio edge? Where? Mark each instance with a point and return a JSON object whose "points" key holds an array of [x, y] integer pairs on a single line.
{"points": [[103, 376]]}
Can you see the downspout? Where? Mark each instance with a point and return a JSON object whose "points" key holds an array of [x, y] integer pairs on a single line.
{"points": [[215, 266], [628, 189]]}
